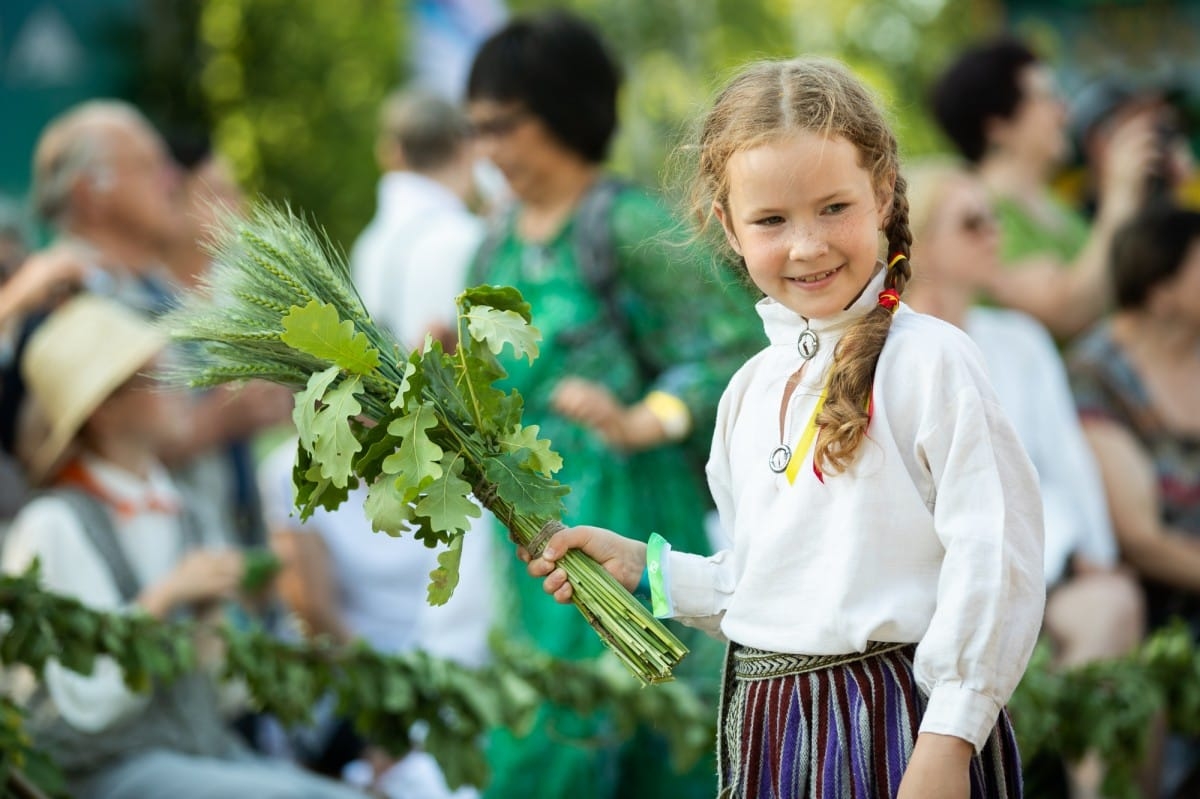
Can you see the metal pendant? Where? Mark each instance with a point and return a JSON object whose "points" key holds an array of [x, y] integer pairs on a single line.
{"points": [[808, 344], [780, 458]]}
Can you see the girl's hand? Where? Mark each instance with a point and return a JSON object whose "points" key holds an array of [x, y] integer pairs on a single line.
{"points": [[628, 429], [623, 558], [939, 769]]}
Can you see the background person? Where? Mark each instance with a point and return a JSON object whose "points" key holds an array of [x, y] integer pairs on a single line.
{"points": [[411, 261], [1136, 379], [639, 337], [115, 533], [1094, 610], [998, 105]]}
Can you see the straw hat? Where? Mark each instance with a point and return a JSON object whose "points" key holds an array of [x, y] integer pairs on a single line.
{"points": [[84, 350]]}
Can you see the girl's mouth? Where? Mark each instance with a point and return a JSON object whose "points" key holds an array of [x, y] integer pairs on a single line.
{"points": [[815, 278]]}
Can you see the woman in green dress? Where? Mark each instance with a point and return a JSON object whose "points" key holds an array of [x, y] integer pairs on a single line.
{"points": [[640, 337]]}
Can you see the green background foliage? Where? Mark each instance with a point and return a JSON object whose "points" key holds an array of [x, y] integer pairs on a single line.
{"points": [[295, 111], [676, 54], [289, 90]]}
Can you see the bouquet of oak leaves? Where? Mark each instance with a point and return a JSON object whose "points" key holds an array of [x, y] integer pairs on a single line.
{"points": [[423, 430]]}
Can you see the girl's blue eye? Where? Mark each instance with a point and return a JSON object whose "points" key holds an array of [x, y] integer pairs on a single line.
{"points": [[770, 220], [836, 208]]}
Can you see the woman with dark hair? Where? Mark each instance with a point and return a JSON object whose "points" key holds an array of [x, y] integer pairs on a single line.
{"points": [[1137, 385], [640, 338], [998, 105], [1136, 379]]}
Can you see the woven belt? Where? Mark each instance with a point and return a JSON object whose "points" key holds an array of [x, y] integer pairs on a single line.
{"points": [[751, 664]]}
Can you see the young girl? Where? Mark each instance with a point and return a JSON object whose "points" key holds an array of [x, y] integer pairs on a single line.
{"points": [[884, 587]]}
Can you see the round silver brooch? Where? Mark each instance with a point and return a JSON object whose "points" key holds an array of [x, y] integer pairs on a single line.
{"points": [[780, 458], [807, 344]]}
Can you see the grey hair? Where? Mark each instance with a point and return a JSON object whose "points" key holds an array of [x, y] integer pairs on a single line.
{"points": [[73, 146], [429, 130]]}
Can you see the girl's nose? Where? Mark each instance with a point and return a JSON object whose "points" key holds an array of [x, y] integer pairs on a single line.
{"points": [[806, 244]]}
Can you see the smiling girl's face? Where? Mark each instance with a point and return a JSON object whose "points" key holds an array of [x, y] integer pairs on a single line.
{"points": [[805, 216]]}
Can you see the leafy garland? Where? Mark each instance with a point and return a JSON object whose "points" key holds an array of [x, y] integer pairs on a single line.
{"points": [[1104, 707], [384, 695], [281, 306]]}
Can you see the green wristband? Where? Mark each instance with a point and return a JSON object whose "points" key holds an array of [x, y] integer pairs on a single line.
{"points": [[660, 606]]}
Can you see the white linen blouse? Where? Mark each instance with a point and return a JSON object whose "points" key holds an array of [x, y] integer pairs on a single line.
{"points": [[933, 535]]}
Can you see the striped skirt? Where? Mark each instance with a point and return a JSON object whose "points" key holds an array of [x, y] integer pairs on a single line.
{"points": [[844, 731]]}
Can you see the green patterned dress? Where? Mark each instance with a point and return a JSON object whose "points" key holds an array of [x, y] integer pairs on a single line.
{"points": [[693, 325]]}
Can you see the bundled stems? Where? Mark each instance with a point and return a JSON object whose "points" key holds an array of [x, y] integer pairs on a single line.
{"points": [[280, 306]]}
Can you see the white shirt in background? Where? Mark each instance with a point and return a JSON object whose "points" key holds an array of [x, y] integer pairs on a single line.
{"points": [[1032, 385], [411, 261], [152, 540]]}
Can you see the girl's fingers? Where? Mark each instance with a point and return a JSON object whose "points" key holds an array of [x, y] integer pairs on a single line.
{"points": [[554, 583], [564, 594], [539, 567]]}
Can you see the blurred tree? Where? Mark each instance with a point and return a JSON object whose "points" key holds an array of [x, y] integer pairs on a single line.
{"points": [[288, 89], [293, 87], [676, 52]]}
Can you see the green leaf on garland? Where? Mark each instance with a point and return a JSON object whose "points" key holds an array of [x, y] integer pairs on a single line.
{"points": [[259, 567], [496, 328], [446, 501], [334, 444], [502, 298], [317, 330], [444, 579], [388, 508], [527, 492], [307, 402], [416, 461], [540, 457]]}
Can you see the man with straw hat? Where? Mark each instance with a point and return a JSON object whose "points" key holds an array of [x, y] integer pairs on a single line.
{"points": [[114, 532]]}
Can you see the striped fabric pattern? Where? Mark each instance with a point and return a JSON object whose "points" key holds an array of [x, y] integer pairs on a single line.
{"points": [[844, 732]]}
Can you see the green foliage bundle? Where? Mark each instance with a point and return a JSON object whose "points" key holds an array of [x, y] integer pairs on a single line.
{"points": [[424, 431], [385, 695], [1108, 707]]}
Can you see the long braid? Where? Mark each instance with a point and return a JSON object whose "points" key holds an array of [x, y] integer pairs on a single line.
{"points": [[844, 419]]}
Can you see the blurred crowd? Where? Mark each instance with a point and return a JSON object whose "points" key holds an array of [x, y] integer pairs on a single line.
{"points": [[138, 496]]}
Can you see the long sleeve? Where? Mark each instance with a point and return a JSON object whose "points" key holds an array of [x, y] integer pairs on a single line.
{"points": [[990, 592], [49, 531]]}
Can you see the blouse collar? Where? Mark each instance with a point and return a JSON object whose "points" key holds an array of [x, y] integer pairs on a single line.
{"points": [[784, 326]]}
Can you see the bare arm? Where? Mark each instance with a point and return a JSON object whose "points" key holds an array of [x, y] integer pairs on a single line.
{"points": [[307, 584], [1155, 550], [1067, 297], [40, 278]]}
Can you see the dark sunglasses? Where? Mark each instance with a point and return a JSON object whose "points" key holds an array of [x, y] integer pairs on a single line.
{"points": [[500, 124]]}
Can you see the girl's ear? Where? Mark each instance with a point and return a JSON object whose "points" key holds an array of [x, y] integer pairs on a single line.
{"points": [[719, 213]]}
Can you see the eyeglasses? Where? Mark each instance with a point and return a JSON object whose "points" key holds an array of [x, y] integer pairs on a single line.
{"points": [[499, 124]]}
